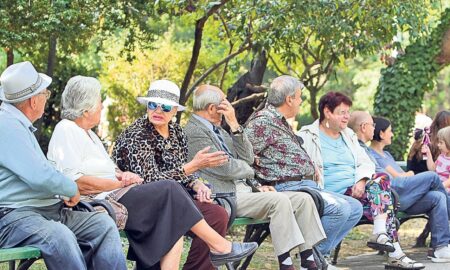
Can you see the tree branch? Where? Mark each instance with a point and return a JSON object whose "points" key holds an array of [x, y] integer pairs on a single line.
{"points": [[230, 42], [214, 67], [256, 88], [248, 99], [276, 66], [196, 50]]}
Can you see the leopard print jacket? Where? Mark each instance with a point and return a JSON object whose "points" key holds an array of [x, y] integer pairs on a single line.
{"points": [[142, 150]]}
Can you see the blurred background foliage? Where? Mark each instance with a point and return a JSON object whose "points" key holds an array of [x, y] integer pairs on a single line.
{"points": [[331, 45]]}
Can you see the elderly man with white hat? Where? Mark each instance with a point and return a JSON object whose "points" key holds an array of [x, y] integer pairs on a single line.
{"points": [[34, 196]]}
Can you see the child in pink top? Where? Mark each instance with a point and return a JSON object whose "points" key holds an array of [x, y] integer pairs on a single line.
{"points": [[442, 164]]}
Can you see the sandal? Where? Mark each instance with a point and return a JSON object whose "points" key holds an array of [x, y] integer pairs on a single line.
{"points": [[381, 242], [403, 262]]}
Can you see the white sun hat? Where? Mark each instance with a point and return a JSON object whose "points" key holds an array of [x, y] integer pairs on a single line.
{"points": [[21, 81], [163, 92]]}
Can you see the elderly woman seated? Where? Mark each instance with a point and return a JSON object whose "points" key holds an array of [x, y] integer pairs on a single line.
{"points": [[155, 215], [155, 148], [345, 168], [421, 193]]}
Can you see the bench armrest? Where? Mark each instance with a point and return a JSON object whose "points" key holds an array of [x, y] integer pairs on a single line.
{"points": [[224, 200]]}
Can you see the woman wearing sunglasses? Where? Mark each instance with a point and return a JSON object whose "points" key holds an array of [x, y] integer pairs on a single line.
{"points": [[154, 215], [155, 148]]}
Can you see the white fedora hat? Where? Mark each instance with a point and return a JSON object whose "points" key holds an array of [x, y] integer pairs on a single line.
{"points": [[164, 92], [21, 81]]}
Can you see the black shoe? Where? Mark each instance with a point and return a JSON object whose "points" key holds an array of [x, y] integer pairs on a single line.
{"points": [[238, 252], [430, 253]]}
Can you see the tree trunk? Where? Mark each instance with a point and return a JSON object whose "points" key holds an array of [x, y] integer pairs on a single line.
{"points": [[51, 60], [199, 25], [39, 124], [9, 56], [243, 87], [313, 102]]}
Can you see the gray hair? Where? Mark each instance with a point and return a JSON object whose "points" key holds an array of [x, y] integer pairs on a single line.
{"points": [[282, 87], [203, 98], [81, 94]]}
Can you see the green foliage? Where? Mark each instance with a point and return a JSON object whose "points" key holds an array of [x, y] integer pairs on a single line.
{"points": [[310, 44], [402, 86], [124, 80]]}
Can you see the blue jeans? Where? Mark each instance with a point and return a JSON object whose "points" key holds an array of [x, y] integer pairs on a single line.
{"points": [[424, 193], [341, 213], [69, 240]]}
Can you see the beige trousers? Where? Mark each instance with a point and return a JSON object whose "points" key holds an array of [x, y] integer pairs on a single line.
{"points": [[293, 216]]}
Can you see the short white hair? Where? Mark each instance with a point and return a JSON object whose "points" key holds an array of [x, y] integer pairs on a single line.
{"points": [[282, 87], [80, 95], [204, 98]]}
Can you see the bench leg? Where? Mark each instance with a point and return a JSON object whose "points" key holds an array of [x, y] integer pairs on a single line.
{"points": [[422, 238], [336, 254], [25, 264], [12, 265], [230, 266], [254, 233]]}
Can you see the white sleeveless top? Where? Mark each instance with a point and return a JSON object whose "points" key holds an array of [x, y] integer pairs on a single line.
{"points": [[75, 153]]}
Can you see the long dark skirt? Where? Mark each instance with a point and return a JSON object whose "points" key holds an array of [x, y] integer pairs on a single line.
{"points": [[159, 213]]}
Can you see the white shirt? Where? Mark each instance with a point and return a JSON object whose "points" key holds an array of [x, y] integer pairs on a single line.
{"points": [[76, 153]]}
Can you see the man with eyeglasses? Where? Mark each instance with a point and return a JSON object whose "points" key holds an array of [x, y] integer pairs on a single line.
{"points": [[362, 124], [31, 211]]}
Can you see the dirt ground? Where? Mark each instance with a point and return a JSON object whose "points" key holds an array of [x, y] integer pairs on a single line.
{"points": [[264, 258]]}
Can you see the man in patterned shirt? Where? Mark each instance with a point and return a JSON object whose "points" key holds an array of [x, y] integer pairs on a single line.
{"points": [[293, 212], [284, 164]]}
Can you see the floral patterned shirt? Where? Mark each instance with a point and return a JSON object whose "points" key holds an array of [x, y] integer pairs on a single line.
{"points": [[278, 149], [142, 150]]}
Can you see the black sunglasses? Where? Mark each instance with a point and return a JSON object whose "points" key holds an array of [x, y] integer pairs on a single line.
{"points": [[164, 107]]}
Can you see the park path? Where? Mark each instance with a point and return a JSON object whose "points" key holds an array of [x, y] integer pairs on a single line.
{"points": [[372, 261]]}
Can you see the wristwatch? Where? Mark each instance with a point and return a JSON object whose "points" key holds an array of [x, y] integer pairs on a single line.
{"points": [[239, 130]]}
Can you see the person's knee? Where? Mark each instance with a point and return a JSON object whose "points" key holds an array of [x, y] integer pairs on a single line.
{"points": [[356, 207], [217, 219], [438, 198], [168, 185], [349, 208], [278, 200], [58, 238], [434, 177]]}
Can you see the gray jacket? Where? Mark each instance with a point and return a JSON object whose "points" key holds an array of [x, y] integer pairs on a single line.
{"points": [[222, 178]]}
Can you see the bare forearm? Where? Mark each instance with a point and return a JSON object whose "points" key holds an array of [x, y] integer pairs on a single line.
{"points": [[430, 164], [190, 168], [93, 185]]}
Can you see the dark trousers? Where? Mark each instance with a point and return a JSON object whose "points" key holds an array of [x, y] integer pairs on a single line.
{"points": [[198, 257]]}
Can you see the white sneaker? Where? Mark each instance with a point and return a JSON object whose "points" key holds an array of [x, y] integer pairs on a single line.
{"points": [[441, 255], [332, 267]]}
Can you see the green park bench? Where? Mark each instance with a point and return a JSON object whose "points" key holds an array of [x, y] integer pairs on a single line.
{"points": [[256, 231], [25, 255]]}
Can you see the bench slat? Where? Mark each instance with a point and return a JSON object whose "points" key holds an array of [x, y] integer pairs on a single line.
{"points": [[19, 253], [248, 221]]}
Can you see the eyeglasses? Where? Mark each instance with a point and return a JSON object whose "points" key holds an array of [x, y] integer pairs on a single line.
{"points": [[47, 94], [372, 124], [164, 107]]}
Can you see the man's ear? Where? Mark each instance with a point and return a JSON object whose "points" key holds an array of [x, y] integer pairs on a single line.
{"points": [[210, 108], [288, 100], [33, 102]]}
